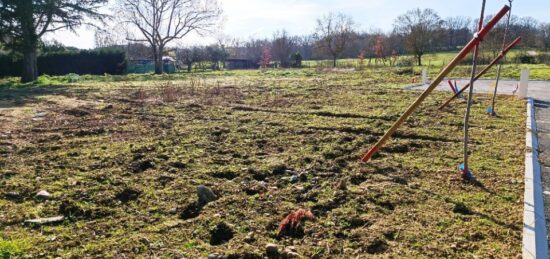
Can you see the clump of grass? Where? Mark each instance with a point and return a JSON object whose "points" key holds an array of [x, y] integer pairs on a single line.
{"points": [[12, 248]]}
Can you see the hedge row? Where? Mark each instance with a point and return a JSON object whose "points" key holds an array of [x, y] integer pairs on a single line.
{"points": [[82, 62]]}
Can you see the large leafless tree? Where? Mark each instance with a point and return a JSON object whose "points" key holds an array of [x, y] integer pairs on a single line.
{"points": [[458, 31], [334, 33], [24, 22], [159, 22], [281, 47], [421, 30]]}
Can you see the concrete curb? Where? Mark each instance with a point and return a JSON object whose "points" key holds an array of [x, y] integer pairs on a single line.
{"points": [[535, 242]]}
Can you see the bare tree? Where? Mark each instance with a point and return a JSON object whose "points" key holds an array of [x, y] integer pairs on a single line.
{"points": [[458, 30], [24, 22], [254, 49], [380, 49], [421, 29], [110, 36], [137, 51], [188, 56], [217, 53], [334, 32], [527, 28], [305, 45], [160, 22], [281, 47]]}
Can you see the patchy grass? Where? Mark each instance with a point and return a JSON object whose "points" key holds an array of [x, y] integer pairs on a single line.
{"points": [[435, 62], [12, 248], [122, 157]]}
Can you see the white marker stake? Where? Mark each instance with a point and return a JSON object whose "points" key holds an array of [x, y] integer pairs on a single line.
{"points": [[425, 76], [523, 84]]}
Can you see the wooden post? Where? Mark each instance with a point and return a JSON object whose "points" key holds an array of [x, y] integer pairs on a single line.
{"points": [[478, 37]]}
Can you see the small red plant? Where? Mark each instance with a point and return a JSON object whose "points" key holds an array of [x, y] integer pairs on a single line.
{"points": [[265, 58], [293, 221], [380, 49], [361, 58]]}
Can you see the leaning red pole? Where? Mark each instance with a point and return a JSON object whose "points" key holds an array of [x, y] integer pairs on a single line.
{"points": [[481, 73], [452, 86], [478, 37]]}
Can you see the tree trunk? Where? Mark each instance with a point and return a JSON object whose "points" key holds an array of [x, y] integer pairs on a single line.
{"points": [[419, 57], [189, 67], [157, 57], [334, 62], [24, 10], [158, 65], [30, 67]]}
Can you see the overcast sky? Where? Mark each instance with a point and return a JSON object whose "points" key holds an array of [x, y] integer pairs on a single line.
{"points": [[260, 18]]}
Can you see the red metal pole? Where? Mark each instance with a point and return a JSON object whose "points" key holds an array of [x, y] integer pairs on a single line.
{"points": [[494, 62], [478, 37]]}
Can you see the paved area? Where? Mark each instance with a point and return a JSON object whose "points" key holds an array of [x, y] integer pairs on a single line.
{"points": [[542, 114], [539, 90]]}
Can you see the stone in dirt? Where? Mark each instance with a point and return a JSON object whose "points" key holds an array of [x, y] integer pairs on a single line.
{"points": [[43, 195], [40, 114], [13, 196], [279, 169], [290, 252], [44, 221], [291, 249], [205, 194]]}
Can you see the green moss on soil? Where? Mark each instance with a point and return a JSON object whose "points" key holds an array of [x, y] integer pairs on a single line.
{"points": [[124, 167]]}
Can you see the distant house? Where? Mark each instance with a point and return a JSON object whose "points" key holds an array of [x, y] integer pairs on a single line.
{"points": [[143, 66], [237, 63]]}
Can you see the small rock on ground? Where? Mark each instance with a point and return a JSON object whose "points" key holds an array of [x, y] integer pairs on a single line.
{"points": [[290, 252], [206, 195], [43, 195]]}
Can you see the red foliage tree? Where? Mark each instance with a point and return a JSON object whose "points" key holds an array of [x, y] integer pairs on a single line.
{"points": [[266, 58], [361, 58], [380, 49]]}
